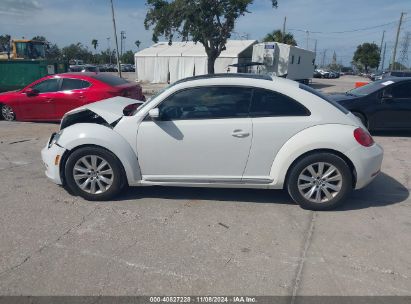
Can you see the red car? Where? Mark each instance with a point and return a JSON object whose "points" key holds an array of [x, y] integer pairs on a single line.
{"points": [[49, 98]]}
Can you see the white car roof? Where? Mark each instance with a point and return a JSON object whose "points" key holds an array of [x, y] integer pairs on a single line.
{"points": [[252, 80]]}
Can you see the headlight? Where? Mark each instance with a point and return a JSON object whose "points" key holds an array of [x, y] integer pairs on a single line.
{"points": [[54, 138]]}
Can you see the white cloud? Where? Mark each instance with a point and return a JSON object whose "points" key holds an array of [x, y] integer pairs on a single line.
{"points": [[18, 7]]}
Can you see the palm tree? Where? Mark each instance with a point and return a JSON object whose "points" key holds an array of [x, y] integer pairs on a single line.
{"points": [[277, 36], [94, 43]]}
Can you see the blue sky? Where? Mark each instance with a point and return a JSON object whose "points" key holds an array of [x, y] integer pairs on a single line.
{"points": [[63, 22]]}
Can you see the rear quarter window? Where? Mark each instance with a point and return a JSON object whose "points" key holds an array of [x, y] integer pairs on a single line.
{"points": [[267, 103], [110, 79], [324, 97]]}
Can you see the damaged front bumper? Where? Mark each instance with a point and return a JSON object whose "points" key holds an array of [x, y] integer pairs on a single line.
{"points": [[51, 156]]}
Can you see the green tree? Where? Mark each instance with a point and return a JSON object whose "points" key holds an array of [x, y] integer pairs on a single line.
{"points": [[277, 36], [5, 43], [367, 55], [53, 52], [137, 43], [209, 22], [128, 57], [77, 51], [39, 38], [94, 43]]}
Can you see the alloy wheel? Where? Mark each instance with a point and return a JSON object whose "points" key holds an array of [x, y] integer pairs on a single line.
{"points": [[320, 182], [8, 113], [93, 174]]}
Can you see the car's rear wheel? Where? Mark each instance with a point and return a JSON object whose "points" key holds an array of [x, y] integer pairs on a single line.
{"points": [[320, 181], [94, 173], [7, 113]]}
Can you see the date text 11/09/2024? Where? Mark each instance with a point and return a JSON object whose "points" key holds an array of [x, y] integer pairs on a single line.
{"points": [[206, 299]]}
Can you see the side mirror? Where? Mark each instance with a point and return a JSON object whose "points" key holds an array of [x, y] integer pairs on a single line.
{"points": [[154, 113], [31, 92]]}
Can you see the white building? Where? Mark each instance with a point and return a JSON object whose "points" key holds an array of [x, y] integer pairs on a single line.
{"points": [[162, 63]]}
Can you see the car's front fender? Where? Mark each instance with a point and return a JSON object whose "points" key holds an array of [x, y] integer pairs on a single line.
{"points": [[82, 134]]}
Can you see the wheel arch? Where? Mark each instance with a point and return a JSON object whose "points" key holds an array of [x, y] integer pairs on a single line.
{"points": [[93, 135], [332, 138], [330, 151], [67, 154], [15, 108]]}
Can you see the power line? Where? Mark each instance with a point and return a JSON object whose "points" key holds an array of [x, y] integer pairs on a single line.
{"points": [[347, 31]]}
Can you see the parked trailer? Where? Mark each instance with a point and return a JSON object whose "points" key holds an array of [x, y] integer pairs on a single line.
{"points": [[284, 60]]}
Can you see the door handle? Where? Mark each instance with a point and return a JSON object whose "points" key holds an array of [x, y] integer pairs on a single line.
{"points": [[239, 133]]}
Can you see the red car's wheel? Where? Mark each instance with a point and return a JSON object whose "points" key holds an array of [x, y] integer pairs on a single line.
{"points": [[7, 113]]}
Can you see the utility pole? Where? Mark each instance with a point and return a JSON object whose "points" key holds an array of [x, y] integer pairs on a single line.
{"points": [[323, 60], [315, 51], [122, 38], [382, 41], [396, 41], [115, 36], [285, 21], [383, 57], [308, 34], [108, 48]]}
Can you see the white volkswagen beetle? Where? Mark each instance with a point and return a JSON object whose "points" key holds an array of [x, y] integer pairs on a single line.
{"points": [[224, 130]]}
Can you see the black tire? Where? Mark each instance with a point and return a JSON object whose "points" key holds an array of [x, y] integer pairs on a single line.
{"points": [[117, 176], [7, 113], [300, 167], [362, 118]]}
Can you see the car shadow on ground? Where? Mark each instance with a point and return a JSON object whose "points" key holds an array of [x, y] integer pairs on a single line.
{"points": [[383, 191]]}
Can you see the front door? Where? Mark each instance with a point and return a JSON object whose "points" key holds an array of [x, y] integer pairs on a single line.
{"points": [[202, 135], [73, 94], [395, 112], [41, 104]]}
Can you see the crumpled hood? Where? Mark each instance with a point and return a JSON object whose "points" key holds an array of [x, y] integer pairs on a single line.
{"points": [[109, 109]]}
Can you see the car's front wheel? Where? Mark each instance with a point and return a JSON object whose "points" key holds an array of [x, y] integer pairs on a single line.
{"points": [[320, 181], [7, 113], [94, 173]]}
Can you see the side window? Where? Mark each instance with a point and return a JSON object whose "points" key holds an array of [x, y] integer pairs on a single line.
{"points": [[74, 84], [299, 59], [207, 103], [268, 103], [292, 59], [402, 90], [49, 85]]}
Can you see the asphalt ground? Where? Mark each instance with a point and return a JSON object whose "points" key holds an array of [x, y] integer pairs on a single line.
{"points": [[199, 241]]}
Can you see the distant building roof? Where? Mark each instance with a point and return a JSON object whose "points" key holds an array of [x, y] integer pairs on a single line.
{"points": [[233, 49]]}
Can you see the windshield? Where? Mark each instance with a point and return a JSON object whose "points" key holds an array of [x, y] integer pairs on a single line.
{"points": [[370, 88]]}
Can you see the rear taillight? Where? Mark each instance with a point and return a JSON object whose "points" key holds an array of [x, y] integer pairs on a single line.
{"points": [[363, 137]]}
